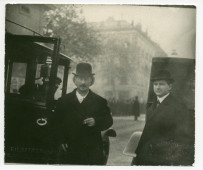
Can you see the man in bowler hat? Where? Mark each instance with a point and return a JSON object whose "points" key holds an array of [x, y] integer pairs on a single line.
{"points": [[167, 138], [81, 116]]}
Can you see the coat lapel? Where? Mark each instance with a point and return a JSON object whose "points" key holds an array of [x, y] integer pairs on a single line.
{"points": [[77, 106], [87, 104], [151, 111], [154, 112]]}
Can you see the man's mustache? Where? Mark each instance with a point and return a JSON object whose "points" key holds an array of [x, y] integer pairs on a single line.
{"points": [[83, 86]]}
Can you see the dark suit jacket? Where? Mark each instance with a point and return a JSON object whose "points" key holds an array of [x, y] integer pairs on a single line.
{"points": [[84, 143], [168, 136]]}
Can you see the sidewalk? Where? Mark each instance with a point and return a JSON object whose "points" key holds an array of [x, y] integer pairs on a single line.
{"points": [[141, 117], [124, 127]]}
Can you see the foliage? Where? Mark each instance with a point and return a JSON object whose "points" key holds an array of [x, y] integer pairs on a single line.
{"points": [[78, 38]]}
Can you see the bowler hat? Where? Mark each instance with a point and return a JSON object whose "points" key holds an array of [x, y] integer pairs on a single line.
{"points": [[162, 75], [83, 69]]}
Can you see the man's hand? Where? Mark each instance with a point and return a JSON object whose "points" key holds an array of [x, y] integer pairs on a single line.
{"points": [[89, 122]]}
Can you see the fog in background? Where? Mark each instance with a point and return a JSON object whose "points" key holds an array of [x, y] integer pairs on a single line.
{"points": [[124, 76], [173, 28]]}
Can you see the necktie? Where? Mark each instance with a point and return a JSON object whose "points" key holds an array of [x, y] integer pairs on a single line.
{"points": [[157, 103]]}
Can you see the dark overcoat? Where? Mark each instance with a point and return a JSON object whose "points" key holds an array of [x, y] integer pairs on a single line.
{"points": [[168, 135], [85, 145]]}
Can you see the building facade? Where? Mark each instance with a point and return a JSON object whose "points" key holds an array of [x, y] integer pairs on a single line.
{"points": [[125, 63]]}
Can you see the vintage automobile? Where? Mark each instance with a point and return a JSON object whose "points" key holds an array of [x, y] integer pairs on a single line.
{"points": [[36, 75], [183, 72]]}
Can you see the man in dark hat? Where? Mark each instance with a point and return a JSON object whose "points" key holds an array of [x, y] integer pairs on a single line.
{"points": [[81, 116], [167, 138]]}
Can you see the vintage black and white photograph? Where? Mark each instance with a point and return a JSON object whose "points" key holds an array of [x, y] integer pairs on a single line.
{"points": [[99, 84]]}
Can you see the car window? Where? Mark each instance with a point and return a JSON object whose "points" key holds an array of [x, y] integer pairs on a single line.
{"points": [[59, 82], [18, 76]]}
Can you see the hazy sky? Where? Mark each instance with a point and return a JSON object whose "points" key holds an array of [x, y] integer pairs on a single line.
{"points": [[172, 28]]}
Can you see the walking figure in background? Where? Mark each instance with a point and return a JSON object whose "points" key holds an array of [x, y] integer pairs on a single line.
{"points": [[81, 116], [136, 108], [168, 136]]}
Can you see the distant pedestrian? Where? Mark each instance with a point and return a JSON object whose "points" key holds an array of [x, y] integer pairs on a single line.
{"points": [[136, 108]]}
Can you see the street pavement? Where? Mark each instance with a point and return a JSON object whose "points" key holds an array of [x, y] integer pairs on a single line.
{"points": [[124, 127]]}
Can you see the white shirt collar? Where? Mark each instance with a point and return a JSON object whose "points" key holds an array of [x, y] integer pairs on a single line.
{"points": [[80, 97], [161, 99]]}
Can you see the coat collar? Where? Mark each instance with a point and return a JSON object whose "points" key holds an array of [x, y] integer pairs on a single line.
{"points": [[153, 112], [86, 99], [161, 99], [80, 97]]}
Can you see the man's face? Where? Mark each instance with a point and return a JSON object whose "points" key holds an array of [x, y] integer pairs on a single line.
{"points": [[83, 83], [161, 87]]}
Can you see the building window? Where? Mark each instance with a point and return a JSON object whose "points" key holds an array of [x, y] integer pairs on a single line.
{"points": [[108, 94], [18, 77], [123, 95], [108, 80], [123, 80]]}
